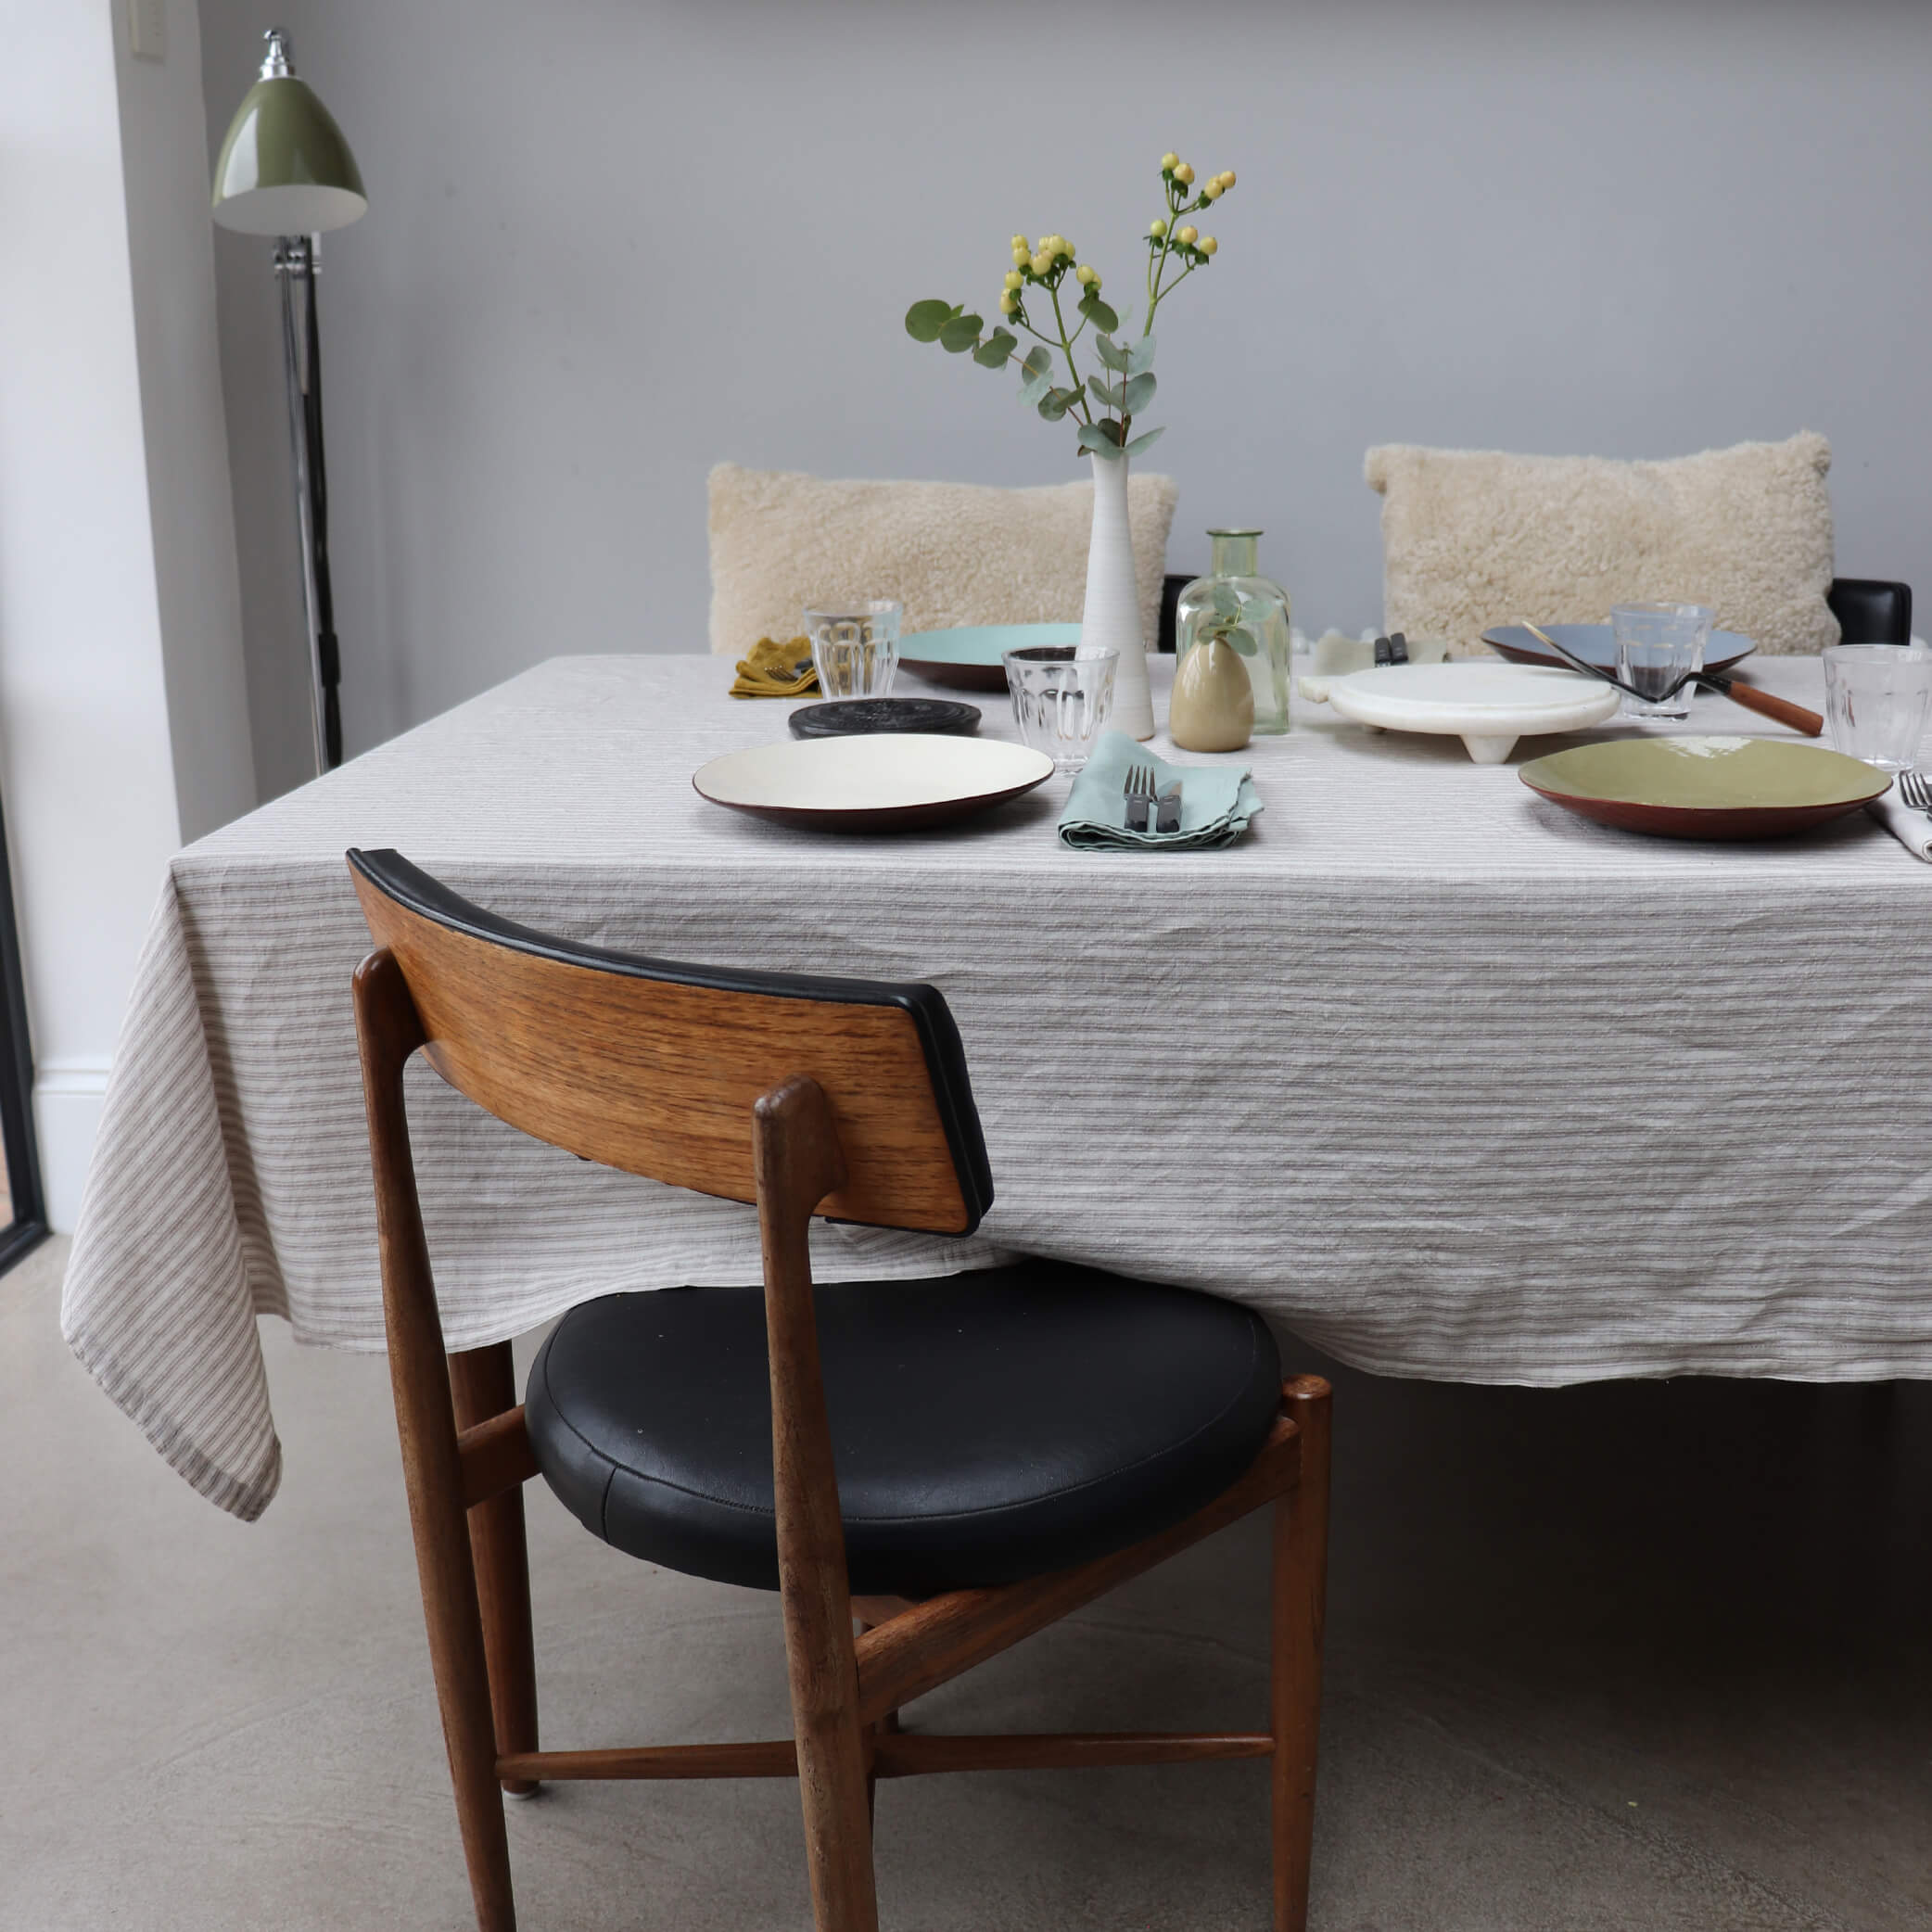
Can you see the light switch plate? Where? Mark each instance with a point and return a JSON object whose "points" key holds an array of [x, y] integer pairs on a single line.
{"points": [[147, 29]]}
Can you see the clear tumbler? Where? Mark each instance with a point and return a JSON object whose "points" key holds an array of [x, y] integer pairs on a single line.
{"points": [[1063, 694], [1658, 645], [1876, 698], [855, 647]]}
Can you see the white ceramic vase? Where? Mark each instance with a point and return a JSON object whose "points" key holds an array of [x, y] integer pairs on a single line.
{"points": [[1113, 612]]}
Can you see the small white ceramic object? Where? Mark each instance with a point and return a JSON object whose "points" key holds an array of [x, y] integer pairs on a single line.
{"points": [[1488, 706], [889, 783], [1334, 653]]}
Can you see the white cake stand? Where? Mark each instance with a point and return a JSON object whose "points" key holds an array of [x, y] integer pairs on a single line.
{"points": [[1488, 706]]}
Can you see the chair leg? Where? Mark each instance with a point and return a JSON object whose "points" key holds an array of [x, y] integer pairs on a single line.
{"points": [[833, 1789], [1300, 1593], [483, 1381], [890, 1722], [455, 1617], [388, 1030], [862, 1622], [796, 1155]]}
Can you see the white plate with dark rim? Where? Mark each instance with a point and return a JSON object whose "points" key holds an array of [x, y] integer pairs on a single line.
{"points": [[894, 782]]}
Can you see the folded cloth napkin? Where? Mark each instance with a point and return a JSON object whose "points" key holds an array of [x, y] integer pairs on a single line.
{"points": [[1216, 802], [1913, 830], [769, 669]]}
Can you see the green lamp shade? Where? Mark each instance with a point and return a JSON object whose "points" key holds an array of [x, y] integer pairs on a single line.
{"points": [[285, 168]]}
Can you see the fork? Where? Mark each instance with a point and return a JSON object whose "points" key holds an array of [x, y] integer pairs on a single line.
{"points": [[1916, 794], [1138, 789]]}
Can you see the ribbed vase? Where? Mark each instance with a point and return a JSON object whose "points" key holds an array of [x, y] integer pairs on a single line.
{"points": [[1113, 612]]}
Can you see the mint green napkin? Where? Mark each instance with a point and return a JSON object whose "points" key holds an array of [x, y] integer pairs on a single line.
{"points": [[1216, 802]]}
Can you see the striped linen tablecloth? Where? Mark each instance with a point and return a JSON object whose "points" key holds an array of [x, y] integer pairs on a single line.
{"points": [[1450, 1083]]}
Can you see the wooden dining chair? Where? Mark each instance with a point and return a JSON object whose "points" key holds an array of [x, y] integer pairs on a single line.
{"points": [[950, 1464]]}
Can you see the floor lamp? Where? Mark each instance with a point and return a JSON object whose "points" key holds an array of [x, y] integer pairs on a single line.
{"points": [[285, 170]]}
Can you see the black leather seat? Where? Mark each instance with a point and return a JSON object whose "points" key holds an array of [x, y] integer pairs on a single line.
{"points": [[986, 1427]]}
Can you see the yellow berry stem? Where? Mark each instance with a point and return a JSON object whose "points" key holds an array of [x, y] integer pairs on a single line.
{"points": [[1066, 344]]}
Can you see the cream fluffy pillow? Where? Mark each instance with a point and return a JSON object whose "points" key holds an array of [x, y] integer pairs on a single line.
{"points": [[1472, 538], [950, 552]]}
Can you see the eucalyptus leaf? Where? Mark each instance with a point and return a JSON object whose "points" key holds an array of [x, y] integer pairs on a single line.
{"points": [[1243, 642], [1116, 358], [960, 334], [1137, 393], [1146, 442], [1108, 398], [1039, 358], [995, 350], [1140, 356], [1055, 403], [1094, 437], [1256, 612], [1034, 386], [1226, 600], [924, 320], [1098, 313]]}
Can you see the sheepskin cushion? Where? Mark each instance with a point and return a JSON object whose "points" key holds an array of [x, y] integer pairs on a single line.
{"points": [[950, 552], [1472, 538]]}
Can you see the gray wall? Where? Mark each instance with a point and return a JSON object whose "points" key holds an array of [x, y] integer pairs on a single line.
{"points": [[171, 263], [612, 243]]}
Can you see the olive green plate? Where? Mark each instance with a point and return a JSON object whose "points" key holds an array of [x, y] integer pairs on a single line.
{"points": [[1705, 788]]}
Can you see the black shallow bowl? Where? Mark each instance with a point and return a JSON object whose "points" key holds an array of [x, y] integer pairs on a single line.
{"points": [[841, 717]]}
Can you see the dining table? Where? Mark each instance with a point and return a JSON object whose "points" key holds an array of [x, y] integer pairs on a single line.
{"points": [[1448, 1082]]}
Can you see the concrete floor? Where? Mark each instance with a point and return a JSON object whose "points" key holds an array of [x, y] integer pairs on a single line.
{"points": [[1639, 1655]]}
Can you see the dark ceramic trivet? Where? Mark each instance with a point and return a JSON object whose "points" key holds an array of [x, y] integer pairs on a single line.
{"points": [[842, 717]]}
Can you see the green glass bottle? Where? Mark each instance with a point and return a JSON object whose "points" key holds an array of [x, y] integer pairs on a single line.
{"points": [[1235, 601]]}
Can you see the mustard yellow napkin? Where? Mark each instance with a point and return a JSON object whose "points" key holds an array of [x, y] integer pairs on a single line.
{"points": [[769, 669]]}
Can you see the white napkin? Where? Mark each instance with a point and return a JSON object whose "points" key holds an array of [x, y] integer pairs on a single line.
{"points": [[1913, 830]]}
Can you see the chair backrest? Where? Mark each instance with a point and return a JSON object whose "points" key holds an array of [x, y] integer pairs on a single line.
{"points": [[1871, 610], [654, 1068]]}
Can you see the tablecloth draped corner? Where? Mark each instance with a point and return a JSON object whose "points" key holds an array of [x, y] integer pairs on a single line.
{"points": [[158, 1261], [244, 1492]]}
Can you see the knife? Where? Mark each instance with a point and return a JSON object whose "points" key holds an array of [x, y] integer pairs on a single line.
{"points": [[1169, 807]]}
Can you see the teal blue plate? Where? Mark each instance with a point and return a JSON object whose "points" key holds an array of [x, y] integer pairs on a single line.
{"points": [[967, 659]]}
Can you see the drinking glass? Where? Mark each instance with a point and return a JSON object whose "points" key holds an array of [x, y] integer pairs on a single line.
{"points": [[1062, 697], [1876, 699], [855, 647], [1657, 643]]}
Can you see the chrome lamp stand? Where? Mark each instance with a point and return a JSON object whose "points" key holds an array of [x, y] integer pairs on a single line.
{"points": [[297, 263]]}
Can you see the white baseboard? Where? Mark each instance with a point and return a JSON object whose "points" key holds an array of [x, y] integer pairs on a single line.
{"points": [[68, 1095]]}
